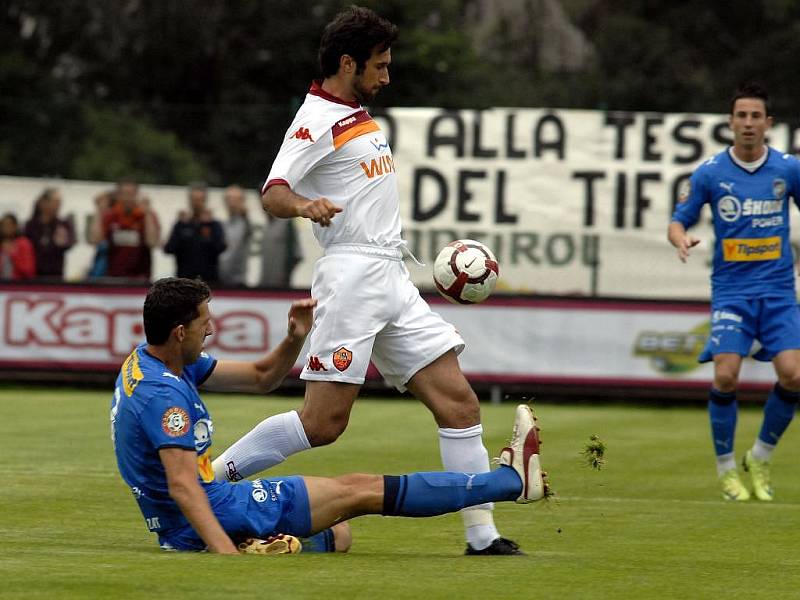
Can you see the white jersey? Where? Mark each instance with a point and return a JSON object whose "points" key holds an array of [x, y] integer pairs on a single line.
{"points": [[334, 149]]}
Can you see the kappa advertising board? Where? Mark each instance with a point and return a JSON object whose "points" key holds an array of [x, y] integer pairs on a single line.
{"points": [[95, 328], [509, 341], [572, 202]]}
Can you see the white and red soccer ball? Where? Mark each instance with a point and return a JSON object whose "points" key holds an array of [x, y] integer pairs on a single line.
{"points": [[465, 272]]}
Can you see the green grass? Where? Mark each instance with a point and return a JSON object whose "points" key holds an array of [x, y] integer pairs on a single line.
{"points": [[650, 524]]}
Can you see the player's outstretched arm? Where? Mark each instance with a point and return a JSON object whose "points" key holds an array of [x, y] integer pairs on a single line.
{"points": [[267, 373], [180, 466], [679, 238], [280, 201]]}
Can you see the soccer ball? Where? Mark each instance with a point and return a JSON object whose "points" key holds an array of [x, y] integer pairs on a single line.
{"points": [[465, 272]]}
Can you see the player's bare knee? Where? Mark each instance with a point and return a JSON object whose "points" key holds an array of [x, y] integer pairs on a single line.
{"points": [[725, 380], [790, 381], [360, 490], [358, 481], [323, 435], [322, 431], [458, 412]]}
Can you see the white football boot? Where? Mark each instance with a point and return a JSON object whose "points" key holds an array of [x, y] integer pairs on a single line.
{"points": [[522, 455], [275, 544]]}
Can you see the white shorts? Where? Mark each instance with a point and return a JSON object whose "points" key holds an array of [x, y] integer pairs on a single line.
{"points": [[369, 309]]}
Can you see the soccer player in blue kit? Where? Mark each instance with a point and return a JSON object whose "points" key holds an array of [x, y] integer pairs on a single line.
{"points": [[749, 187], [162, 433]]}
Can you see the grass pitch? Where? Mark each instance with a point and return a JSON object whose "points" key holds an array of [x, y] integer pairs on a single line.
{"points": [[650, 524]]}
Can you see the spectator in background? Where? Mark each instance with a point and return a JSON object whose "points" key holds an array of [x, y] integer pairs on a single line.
{"points": [[94, 231], [130, 229], [233, 262], [51, 236], [17, 257], [197, 239], [280, 252]]}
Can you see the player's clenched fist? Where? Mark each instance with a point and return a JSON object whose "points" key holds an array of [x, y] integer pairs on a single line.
{"points": [[320, 211]]}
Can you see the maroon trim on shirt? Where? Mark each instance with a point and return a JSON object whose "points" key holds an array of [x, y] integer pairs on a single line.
{"points": [[316, 90], [350, 121], [272, 182]]}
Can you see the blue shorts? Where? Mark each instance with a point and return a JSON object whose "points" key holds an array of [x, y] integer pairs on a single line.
{"points": [[735, 324], [258, 509]]}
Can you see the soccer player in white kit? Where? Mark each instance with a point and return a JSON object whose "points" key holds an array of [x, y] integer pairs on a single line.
{"points": [[335, 168]]}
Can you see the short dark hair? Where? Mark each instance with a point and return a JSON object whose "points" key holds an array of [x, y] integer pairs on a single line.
{"points": [[752, 89], [355, 31], [172, 301]]}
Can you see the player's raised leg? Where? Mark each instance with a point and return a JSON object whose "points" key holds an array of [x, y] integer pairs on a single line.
{"points": [[722, 412], [442, 387], [518, 478], [324, 416], [269, 443]]}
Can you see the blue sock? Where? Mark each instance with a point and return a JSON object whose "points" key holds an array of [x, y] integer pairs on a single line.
{"points": [[320, 542], [722, 409], [778, 413], [440, 492]]}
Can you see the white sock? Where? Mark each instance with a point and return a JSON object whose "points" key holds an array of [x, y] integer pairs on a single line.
{"points": [[463, 451], [725, 462], [267, 444], [761, 450]]}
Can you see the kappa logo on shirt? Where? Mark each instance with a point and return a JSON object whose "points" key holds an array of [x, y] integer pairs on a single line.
{"points": [[315, 364], [302, 134]]}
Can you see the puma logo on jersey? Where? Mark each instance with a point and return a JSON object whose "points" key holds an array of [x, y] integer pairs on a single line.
{"points": [[315, 364], [302, 134], [383, 165], [728, 187]]}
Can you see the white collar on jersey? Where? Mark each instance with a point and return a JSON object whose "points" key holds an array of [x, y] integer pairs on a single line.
{"points": [[749, 166]]}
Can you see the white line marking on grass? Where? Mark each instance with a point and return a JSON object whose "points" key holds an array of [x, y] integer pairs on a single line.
{"points": [[617, 500]]}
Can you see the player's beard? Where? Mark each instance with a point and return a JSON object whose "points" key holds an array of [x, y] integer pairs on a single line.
{"points": [[362, 93]]}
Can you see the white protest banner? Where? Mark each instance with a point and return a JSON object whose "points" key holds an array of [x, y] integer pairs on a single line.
{"points": [[572, 202]]}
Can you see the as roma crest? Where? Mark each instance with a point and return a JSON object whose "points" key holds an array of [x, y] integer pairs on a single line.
{"points": [[342, 358]]}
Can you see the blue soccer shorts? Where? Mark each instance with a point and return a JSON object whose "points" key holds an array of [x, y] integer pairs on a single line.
{"points": [[735, 324], [257, 509]]}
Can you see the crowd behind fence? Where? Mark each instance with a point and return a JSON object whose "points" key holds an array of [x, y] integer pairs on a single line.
{"points": [[125, 230]]}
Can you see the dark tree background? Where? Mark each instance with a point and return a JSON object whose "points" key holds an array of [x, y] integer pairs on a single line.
{"points": [[170, 91]]}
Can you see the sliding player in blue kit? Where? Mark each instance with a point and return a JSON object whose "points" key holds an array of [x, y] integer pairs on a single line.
{"points": [[749, 188], [162, 433]]}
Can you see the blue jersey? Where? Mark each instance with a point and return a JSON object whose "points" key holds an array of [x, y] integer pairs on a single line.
{"points": [[752, 253], [152, 408]]}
